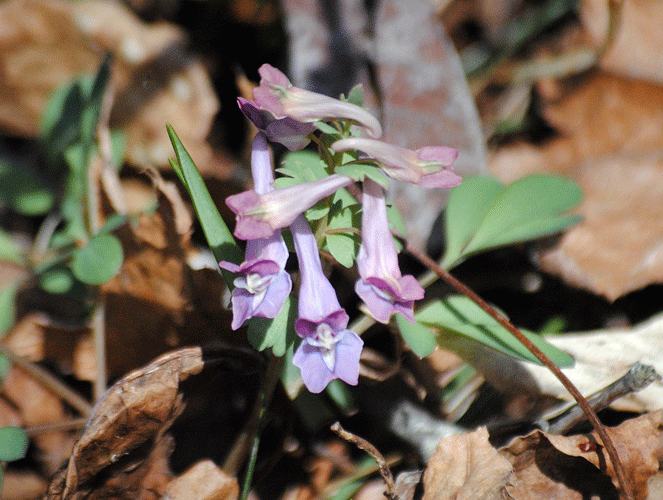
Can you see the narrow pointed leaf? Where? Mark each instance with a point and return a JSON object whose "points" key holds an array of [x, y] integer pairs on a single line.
{"points": [[457, 316], [219, 238]]}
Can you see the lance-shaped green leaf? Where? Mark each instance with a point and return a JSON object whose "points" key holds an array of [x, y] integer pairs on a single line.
{"points": [[459, 322], [482, 214], [219, 238]]}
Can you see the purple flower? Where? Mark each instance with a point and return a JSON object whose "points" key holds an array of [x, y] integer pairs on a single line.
{"points": [[328, 350], [263, 284], [259, 215], [428, 167], [287, 131], [381, 286], [286, 113]]}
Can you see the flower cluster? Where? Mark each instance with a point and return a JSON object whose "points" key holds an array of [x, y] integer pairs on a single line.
{"points": [[291, 116]]}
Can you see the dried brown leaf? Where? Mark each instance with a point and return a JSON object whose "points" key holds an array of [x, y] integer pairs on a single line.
{"points": [[47, 43], [152, 291], [203, 481], [466, 467], [637, 45], [543, 471], [22, 485], [542, 465], [575, 467], [612, 146], [38, 406], [135, 412]]}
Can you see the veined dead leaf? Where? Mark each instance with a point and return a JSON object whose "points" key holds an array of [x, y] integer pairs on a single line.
{"points": [[602, 357], [542, 465], [46, 44], [466, 467]]}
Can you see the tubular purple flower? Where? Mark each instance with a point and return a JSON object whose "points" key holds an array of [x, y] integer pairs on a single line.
{"points": [[381, 286], [428, 167], [328, 350], [259, 215], [263, 284], [287, 131], [277, 96]]}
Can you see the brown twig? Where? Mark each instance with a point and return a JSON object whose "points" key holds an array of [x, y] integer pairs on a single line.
{"points": [[362, 444], [620, 472]]}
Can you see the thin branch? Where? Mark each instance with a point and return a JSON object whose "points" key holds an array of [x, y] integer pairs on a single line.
{"points": [[362, 444], [69, 396], [620, 472]]}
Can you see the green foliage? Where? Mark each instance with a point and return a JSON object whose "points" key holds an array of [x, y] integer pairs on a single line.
{"points": [[9, 251], [98, 261], [57, 279], [23, 192], [221, 241], [73, 113], [7, 308], [340, 239], [417, 336], [459, 323], [13, 444], [339, 393], [482, 214], [356, 95], [359, 171], [278, 333]]}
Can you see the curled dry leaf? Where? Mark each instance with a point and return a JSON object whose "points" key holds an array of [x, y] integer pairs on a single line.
{"points": [[46, 44], [611, 145], [541, 465], [421, 85], [135, 413], [575, 467]]}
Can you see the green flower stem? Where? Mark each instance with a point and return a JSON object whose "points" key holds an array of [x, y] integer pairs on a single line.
{"points": [[246, 444], [323, 150]]}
